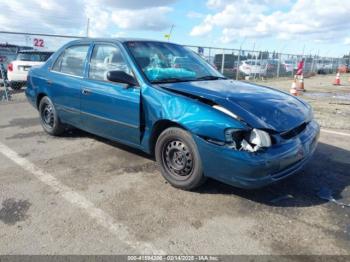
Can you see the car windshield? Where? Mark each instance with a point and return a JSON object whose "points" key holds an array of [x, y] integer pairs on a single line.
{"points": [[33, 57], [166, 62]]}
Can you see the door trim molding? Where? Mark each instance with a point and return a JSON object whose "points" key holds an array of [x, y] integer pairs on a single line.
{"points": [[110, 120], [73, 110]]}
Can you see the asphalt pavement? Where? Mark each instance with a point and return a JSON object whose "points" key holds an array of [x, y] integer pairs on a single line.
{"points": [[81, 194]]}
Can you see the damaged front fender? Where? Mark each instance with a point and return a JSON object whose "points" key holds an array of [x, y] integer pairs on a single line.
{"points": [[194, 114]]}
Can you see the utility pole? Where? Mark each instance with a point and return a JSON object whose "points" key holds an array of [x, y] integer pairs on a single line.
{"points": [[239, 58], [87, 27], [253, 46], [171, 30], [27, 40]]}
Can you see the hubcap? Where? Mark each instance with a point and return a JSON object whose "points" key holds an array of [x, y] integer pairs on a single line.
{"points": [[47, 115], [177, 158]]}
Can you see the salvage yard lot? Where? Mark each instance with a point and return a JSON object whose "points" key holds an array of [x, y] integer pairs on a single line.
{"points": [[81, 194]]}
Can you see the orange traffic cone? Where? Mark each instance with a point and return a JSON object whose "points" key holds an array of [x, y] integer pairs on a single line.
{"points": [[301, 83], [293, 90], [337, 80]]}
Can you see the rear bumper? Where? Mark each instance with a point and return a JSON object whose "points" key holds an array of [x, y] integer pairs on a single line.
{"points": [[17, 76], [254, 170], [17, 83]]}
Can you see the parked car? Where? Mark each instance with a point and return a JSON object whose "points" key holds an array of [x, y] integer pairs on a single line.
{"points": [[275, 67], [8, 52], [324, 66], [252, 67], [229, 61], [197, 123], [17, 70], [288, 65]]}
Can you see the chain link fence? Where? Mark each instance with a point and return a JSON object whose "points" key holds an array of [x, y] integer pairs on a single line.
{"points": [[233, 63], [254, 65]]}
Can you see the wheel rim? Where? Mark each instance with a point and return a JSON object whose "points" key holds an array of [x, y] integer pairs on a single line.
{"points": [[47, 115], [177, 159]]}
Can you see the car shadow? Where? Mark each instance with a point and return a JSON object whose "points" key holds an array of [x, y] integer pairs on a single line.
{"points": [[73, 133], [328, 169]]}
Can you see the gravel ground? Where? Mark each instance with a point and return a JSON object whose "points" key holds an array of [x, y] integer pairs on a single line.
{"points": [[80, 194]]}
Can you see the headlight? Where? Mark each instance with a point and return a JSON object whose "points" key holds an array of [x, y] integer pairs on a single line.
{"points": [[248, 140], [260, 138]]}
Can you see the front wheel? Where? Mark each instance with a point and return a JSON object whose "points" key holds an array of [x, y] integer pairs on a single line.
{"points": [[49, 118], [178, 157]]}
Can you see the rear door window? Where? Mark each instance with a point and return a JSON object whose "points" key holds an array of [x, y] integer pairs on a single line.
{"points": [[72, 60]]}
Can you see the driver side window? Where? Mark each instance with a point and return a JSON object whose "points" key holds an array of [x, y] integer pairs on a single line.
{"points": [[106, 58]]}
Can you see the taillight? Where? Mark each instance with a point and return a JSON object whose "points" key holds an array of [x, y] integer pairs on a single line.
{"points": [[10, 67]]}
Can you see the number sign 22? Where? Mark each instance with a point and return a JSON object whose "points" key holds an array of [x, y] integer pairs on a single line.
{"points": [[38, 42]]}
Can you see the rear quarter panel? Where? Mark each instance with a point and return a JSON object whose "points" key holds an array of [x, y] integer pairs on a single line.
{"points": [[36, 85]]}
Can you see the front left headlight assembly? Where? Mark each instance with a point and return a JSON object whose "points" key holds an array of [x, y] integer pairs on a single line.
{"points": [[251, 140], [248, 140]]}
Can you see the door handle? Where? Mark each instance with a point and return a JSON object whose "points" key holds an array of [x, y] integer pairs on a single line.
{"points": [[86, 92], [49, 82]]}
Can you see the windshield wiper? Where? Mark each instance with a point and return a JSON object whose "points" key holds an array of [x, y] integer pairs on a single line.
{"points": [[210, 77], [170, 80], [175, 79]]}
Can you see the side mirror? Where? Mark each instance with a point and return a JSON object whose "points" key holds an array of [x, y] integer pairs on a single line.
{"points": [[121, 77]]}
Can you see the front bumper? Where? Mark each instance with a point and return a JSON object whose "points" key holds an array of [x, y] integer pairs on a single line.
{"points": [[254, 170]]}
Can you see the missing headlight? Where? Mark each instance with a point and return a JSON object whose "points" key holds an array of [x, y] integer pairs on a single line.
{"points": [[248, 140]]}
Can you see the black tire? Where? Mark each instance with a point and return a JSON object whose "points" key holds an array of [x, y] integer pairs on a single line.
{"points": [[16, 86], [48, 117], [177, 154]]}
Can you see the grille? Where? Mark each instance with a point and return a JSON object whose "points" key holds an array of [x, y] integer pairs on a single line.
{"points": [[294, 132]]}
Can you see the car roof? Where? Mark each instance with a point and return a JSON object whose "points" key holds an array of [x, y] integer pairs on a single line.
{"points": [[12, 45], [118, 39]]}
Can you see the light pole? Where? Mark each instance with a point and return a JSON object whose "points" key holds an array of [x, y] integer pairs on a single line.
{"points": [[87, 27], [171, 30]]}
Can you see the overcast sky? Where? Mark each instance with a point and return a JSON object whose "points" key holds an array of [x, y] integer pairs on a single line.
{"points": [[283, 25]]}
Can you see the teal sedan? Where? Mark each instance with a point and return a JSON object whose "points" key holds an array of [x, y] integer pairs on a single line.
{"points": [[167, 101]]}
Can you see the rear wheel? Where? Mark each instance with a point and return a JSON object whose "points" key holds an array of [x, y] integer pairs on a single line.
{"points": [[178, 157], [49, 118]]}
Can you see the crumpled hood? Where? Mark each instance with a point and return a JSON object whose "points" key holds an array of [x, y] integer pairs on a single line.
{"points": [[259, 106]]}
